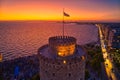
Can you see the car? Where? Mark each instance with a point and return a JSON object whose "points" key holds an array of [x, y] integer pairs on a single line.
{"points": [[112, 70], [106, 64]]}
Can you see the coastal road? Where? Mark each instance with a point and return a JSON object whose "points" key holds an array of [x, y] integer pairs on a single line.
{"points": [[108, 64]]}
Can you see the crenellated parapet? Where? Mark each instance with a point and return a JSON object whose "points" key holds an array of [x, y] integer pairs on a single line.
{"points": [[61, 40]]}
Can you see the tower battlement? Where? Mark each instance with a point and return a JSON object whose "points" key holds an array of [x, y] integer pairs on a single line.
{"points": [[61, 40]]}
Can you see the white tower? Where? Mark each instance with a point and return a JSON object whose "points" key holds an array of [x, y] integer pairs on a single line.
{"points": [[61, 59]]}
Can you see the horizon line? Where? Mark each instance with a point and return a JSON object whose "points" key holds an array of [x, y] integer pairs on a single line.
{"points": [[69, 20]]}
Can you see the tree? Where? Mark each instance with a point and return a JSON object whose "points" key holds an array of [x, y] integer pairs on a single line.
{"points": [[36, 77], [87, 74]]}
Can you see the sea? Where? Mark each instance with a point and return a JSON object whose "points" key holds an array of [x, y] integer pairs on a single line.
{"points": [[23, 38]]}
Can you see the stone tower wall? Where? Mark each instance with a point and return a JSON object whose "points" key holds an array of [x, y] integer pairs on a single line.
{"points": [[55, 69]]}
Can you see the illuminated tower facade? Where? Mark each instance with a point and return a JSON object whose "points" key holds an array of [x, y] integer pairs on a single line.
{"points": [[61, 59]]}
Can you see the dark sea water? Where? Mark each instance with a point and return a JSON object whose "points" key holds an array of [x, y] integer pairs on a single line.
{"points": [[19, 39]]}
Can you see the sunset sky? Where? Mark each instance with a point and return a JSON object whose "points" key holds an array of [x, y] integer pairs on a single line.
{"points": [[84, 10]]}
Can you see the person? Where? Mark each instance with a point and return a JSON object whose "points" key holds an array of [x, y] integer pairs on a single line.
{"points": [[16, 71]]}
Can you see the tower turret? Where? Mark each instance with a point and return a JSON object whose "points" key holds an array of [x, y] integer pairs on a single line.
{"points": [[62, 45]]}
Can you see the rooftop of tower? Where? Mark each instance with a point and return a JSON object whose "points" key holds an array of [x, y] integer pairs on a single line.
{"points": [[44, 51], [61, 46]]}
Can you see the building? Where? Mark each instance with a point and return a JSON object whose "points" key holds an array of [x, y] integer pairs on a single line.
{"points": [[61, 59], [111, 34], [114, 36]]}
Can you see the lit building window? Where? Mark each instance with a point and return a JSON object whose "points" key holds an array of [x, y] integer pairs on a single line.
{"points": [[69, 74], [64, 61], [66, 50], [83, 57]]}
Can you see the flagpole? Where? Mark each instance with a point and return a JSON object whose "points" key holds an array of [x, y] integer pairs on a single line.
{"points": [[63, 22]]}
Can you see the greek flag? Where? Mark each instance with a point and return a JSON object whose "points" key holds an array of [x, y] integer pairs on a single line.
{"points": [[66, 14]]}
